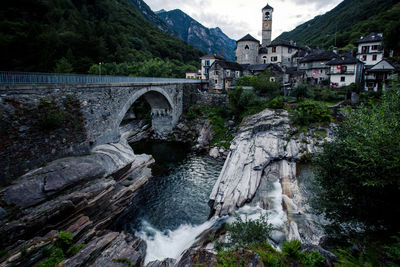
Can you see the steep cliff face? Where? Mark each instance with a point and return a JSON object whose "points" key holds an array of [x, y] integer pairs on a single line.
{"points": [[210, 40], [151, 16]]}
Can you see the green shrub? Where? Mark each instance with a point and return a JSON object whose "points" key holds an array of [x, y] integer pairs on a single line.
{"points": [[246, 232], [51, 115], [276, 103], [291, 249], [310, 111], [64, 240], [55, 258]]}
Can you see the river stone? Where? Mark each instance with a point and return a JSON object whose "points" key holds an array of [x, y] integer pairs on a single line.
{"points": [[128, 249], [214, 153], [205, 135], [168, 262]]}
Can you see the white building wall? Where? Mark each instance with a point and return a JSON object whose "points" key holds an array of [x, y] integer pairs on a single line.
{"points": [[366, 52]]}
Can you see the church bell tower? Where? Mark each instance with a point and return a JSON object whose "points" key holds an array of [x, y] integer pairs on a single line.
{"points": [[266, 25]]}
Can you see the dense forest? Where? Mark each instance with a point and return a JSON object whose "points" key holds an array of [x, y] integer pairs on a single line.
{"points": [[74, 35], [347, 22]]}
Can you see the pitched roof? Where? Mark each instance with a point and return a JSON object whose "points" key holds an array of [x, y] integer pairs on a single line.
{"points": [[212, 56], [372, 37], [283, 43], [345, 59], [268, 7], [262, 67], [319, 55], [248, 37], [228, 65], [383, 66], [263, 50]]}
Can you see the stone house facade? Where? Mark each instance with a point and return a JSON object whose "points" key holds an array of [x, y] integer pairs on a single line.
{"points": [[315, 67], [223, 74], [206, 62]]}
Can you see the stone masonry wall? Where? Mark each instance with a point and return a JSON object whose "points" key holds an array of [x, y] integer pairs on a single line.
{"points": [[192, 95], [44, 123]]}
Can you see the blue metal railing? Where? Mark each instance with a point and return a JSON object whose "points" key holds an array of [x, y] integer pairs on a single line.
{"points": [[8, 78]]}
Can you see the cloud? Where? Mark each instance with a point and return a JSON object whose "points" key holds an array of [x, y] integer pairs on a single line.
{"points": [[236, 18]]}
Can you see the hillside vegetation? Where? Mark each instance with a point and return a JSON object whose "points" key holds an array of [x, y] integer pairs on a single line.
{"points": [[75, 34], [351, 19]]}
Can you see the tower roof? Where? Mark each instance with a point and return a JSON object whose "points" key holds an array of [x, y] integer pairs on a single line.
{"points": [[268, 7], [248, 37]]}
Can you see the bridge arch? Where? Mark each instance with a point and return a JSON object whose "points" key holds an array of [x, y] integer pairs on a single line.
{"points": [[162, 108]]}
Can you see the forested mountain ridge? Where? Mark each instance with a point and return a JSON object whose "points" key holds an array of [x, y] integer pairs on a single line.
{"points": [[36, 35], [350, 20], [209, 40]]}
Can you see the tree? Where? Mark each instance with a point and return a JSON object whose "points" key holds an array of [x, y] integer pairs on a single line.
{"points": [[358, 173], [63, 66]]}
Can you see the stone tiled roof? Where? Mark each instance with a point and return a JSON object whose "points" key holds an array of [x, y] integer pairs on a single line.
{"points": [[268, 7], [228, 65], [212, 56], [248, 37], [345, 59], [319, 55], [263, 50], [283, 43], [372, 37], [262, 67]]}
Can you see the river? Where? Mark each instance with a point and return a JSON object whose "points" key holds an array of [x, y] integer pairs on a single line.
{"points": [[171, 210]]}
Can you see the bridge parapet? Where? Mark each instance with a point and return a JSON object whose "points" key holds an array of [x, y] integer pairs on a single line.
{"points": [[36, 78]]}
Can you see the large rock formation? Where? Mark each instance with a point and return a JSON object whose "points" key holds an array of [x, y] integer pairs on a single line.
{"points": [[80, 195], [261, 161]]}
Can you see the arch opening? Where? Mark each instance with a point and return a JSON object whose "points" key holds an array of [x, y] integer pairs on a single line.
{"points": [[146, 112]]}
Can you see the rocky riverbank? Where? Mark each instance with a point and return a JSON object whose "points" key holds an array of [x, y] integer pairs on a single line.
{"points": [[80, 195]]}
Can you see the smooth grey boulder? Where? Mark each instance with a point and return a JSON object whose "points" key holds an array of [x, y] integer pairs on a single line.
{"points": [[40, 184]]}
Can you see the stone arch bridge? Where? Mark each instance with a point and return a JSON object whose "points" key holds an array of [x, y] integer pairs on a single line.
{"points": [[104, 100]]}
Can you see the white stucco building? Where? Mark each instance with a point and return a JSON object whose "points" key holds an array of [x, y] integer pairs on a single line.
{"points": [[345, 70], [370, 49]]}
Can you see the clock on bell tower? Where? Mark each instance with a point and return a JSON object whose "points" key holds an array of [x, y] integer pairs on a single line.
{"points": [[266, 25]]}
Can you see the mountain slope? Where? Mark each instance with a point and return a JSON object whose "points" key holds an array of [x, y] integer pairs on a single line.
{"points": [[151, 16], [350, 20], [35, 35], [208, 40]]}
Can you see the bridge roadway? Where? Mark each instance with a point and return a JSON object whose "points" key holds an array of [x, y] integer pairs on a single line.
{"points": [[105, 100]]}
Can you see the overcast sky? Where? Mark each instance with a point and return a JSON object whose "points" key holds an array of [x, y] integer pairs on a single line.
{"points": [[236, 18]]}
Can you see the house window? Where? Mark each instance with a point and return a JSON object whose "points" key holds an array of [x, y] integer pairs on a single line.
{"points": [[342, 79], [207, 62], [364, 58], [374, 47], [216, 72], [274, 49], [228, 72], [365, 49], [274, 59], [288, 59], [216, 81], [205, 71], [247, 47], [289, 50], [374, 57]]}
